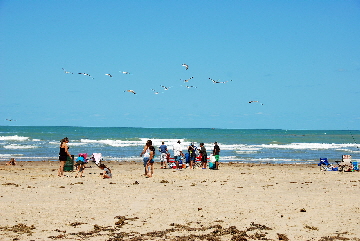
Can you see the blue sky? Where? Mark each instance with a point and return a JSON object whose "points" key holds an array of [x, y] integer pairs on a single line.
{"points": [[299, 59]]}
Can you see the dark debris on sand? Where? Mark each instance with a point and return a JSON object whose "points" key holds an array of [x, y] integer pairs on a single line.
{"points": [[175, 232], [20, 229]]}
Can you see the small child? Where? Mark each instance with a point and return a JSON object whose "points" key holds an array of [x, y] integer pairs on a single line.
{"points": [[107, 171], [80, 166], [12, 162]]}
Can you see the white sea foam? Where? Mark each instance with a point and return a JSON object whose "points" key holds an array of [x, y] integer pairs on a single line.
{"points": [[298, 146], [121, 143], [13, 138], [9, 155], [311, 146], [246, 152], [16, 146]]}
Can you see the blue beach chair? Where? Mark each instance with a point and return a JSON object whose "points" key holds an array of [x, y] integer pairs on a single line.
{"points": [[355, 166], [326, 166]]}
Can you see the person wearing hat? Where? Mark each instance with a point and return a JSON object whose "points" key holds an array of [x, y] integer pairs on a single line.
{"points": [[216, 153], [177, 153]]}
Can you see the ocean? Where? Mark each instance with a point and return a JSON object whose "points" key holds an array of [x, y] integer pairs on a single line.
{"points": [[38, 143]]}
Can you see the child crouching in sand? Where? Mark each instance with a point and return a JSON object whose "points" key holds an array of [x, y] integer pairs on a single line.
{"points": [[107, 171], [12, 162], [80, 166]]}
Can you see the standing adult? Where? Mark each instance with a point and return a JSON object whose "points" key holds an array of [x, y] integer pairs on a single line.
{"points": [[177, 153], [203, 155], [150, 163], [163, 153], [146, 148], [63, 154], [192, 155], [216, 153], [146, 154]]}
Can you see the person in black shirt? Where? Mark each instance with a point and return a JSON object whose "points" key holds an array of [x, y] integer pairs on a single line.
{"points": [[216, 153], [203, 155]]}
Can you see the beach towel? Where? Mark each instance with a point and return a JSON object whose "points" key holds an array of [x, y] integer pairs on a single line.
{"points": [[96, 158]]}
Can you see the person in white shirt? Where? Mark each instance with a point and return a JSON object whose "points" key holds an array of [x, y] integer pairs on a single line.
{"points": [[177, 153]]}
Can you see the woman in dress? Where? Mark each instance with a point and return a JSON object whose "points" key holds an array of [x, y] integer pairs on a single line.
{"points": [[63, 154]]}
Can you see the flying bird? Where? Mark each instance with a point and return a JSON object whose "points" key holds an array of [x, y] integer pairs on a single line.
{"points": [[218, 82], [131, 91], [255, 101], [86, 74], [155, 92], [165, 88], [186, 66], [187, 80], [124, 72], [109, 75], [190, 86], [10, 120], [67, 72]]}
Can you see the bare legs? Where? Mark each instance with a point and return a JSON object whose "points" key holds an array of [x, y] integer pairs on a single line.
{"points": [[149, 169], [61, 168]]}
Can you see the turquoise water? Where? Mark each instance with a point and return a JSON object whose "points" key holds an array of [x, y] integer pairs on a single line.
{"points": [[34, 143]]}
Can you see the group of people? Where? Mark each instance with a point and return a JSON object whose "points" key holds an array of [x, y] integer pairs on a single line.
{"points": [[148, 154], [64, 154]]}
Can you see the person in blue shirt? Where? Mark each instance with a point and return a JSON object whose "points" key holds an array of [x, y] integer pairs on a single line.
{"points": [[163, 153]]}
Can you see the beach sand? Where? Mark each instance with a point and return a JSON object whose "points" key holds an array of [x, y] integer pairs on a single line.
{"points": [[237, 202]]}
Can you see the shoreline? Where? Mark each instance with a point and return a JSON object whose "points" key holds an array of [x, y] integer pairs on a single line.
{"points": [[240, 201]]}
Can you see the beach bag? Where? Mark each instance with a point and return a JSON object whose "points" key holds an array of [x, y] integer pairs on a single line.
{"points": [[212, 165]]}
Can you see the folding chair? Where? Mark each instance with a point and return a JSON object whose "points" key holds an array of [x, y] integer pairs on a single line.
{"points": [[355, 166], [197, 162], [325, 165]]}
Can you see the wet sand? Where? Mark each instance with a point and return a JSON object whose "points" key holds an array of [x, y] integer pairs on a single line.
{"points": [[237, 202]]}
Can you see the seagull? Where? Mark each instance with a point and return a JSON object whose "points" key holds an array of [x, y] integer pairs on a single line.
{"points": [[109, 75], [255, 101], [186, 66], [155, 92], [187, 80], [190, 86], [10, 120], [67, 72], [218, 82], [131, 91], [165, 88], [86, 74], [124, 72]]}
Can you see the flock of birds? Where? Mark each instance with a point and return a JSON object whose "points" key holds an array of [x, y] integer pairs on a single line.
{"points": [[164, 87]]}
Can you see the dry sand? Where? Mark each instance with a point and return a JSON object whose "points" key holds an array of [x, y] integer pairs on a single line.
{"points": [[237, 202]]}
